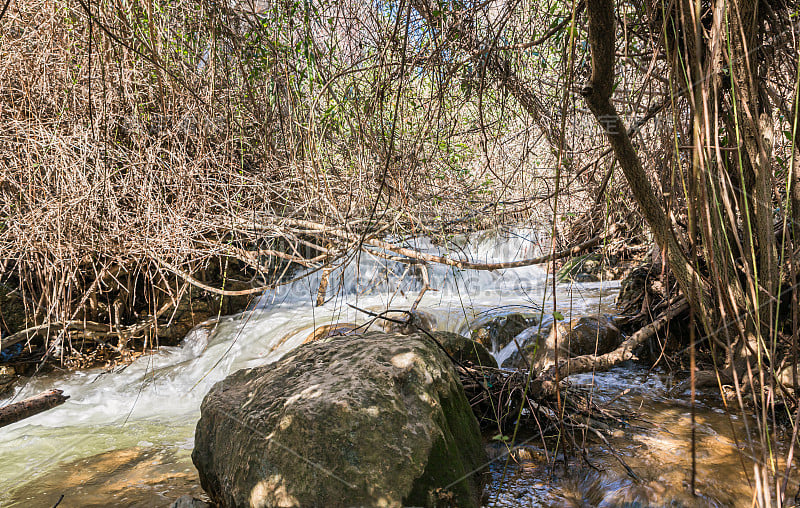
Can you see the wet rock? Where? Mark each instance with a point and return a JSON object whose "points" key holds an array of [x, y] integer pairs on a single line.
{"points": [[594, 334], [330, 330], [702, 379], [586, 277], [418, 320], [464, 349], [137, 476], [368, 420], [531, 340], [198, 308], [497, 331], [188, 501]]}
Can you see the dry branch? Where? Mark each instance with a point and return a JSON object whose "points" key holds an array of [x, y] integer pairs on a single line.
{"points": [[89, 329], [460, 263], [547, 382]]}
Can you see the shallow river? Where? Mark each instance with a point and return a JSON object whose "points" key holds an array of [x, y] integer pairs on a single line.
{"points": [[124, 438]]}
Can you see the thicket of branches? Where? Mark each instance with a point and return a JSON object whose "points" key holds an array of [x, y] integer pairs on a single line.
{"points": [[148, 148]]}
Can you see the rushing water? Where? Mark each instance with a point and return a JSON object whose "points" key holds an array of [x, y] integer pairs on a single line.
{"points": [[124, 438]]}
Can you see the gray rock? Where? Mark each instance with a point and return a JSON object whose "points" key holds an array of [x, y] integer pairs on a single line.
{"points": [[417, 320], [188, 501], [369, 420], [594, 334], [497, 331]]}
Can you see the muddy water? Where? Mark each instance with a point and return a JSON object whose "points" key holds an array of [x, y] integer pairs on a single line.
{"points": [[125, 437], [655, 445]]}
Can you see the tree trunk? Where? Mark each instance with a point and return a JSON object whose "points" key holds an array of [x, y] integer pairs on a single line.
{"points": [[598, 97]]}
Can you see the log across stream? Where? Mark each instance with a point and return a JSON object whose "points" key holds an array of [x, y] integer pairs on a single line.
{"points": [[125, 436]]}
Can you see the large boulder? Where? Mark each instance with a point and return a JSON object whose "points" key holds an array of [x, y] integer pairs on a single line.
{"points": [[593, 334], [368, 420]]}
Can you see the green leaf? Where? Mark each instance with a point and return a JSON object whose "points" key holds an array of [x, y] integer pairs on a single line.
{"points": [[500, 437], [558, 316]]}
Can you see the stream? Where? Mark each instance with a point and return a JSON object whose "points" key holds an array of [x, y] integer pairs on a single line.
{"points": [[124, 438]]}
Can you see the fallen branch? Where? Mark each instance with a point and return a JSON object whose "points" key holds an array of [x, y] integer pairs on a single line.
{"points": [[410, 254], [460, 263], [546, 383], [17, 411]]}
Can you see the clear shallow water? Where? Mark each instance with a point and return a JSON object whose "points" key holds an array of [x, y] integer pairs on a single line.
{"points": [[125, 437]]}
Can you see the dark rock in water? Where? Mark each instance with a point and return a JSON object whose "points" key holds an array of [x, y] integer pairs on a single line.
{"points": [[594, 334], [188, 501], [531, 340], [586, 277], [368, 420], [417, 320], [199, 311], [465, 350], [496, 332]]}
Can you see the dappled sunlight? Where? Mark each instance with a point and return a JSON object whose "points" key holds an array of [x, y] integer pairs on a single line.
{"points": [[657, 448], [271, 491]]}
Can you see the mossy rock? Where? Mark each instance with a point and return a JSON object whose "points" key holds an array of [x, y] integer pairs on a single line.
{"points": [[464, 349], [369, 420]]}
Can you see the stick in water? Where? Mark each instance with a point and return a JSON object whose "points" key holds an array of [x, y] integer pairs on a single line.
{"points": [[17, 411]]}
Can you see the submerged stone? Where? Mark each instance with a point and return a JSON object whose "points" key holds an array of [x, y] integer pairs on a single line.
{"points": [[369, 420]]}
